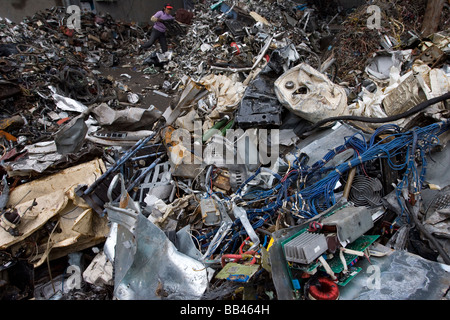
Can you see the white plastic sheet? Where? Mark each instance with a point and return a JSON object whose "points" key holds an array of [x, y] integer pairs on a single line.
{"points": [[310, 94]]}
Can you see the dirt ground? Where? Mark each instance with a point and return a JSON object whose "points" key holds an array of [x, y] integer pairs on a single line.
{"points": [[146, 86]]}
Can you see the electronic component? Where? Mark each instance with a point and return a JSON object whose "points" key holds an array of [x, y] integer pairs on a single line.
{"points": [[305, 247], [366, 191], [210, 212], [237, 272], [351, 258], [221, 180], [349, 223], [323, 289], [329, 247]]}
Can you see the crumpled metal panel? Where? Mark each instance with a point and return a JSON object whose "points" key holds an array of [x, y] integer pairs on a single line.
{"points": [[185, 243], [67, 104], [158, 270], [147, 264], [130, 119]]}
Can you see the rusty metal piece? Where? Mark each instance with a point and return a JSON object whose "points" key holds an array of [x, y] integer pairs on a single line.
{"points": [[12, 121], [222, 181], [8, 89], [7, 136], [5, 66]]}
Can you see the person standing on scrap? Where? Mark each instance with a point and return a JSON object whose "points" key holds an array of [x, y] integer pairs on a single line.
{"points": [[159, 29]]}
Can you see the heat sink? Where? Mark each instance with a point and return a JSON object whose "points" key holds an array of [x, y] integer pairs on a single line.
{"points": [[305, 248]]}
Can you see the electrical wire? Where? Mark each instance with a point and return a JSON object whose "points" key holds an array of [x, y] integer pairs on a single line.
{"points": [[306, 191], [405, 114]]}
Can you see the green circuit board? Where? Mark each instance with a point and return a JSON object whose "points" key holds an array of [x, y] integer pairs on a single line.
{"points": [[353, 271], [360, 244], [335, 263]]}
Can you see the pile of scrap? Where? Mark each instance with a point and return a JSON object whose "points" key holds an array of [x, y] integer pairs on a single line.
{"points": [[299, 148]]}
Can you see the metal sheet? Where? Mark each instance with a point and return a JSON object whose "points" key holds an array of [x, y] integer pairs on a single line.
{"points": [[158, 270], [67, 104], [185, 243], [402, 276], [317, 145], [147, 264]]}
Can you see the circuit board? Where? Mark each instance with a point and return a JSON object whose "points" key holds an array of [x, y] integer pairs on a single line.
{"points": [[306, 228], [335, 263], [360, 244], [352, 272]]}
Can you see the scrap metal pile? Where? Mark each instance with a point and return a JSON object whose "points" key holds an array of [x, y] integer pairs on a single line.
{"points": [[280, 170]]}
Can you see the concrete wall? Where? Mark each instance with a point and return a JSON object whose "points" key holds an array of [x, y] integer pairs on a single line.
{"points": [[16, 10], [133, 10], [352, 3], [125, 10]]}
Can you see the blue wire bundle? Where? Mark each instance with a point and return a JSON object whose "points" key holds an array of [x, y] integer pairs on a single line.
{"points": [[312, 192]]}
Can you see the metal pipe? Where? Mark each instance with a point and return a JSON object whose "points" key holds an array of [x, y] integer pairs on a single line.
{"points": [[348, 186], [119, 163], [147, 156]]}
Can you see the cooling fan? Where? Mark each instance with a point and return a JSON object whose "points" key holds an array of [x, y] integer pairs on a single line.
{"points": [[366, 191]]}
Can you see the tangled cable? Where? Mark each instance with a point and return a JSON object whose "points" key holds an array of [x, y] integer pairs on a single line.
{"points": [[80, 85], [309, 190]]}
